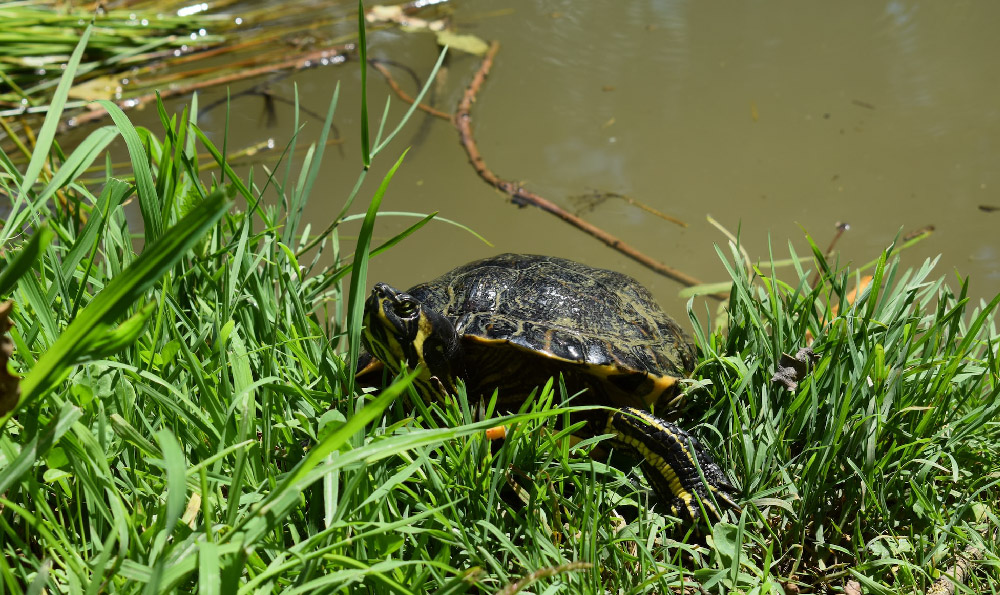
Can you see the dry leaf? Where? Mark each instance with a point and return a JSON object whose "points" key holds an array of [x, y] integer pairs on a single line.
{"points": [[10, 384], [466, 43], [102, 87], [396, 14]]}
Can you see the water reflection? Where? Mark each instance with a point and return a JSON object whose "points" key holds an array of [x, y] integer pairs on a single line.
{"points": [[773, 116]]}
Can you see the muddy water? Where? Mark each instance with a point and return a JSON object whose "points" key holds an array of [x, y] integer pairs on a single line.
{"points": [[773, 117]]}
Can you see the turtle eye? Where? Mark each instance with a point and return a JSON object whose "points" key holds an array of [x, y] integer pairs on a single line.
{"points": [[406, 308]]}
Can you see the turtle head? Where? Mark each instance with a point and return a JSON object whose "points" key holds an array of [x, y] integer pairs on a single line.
{"points": [[399, 328]]}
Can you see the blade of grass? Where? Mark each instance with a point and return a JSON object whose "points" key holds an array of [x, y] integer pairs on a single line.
{"points": [[366, 157], [359, 276], [425, 218], [25, 259], [415, 104], [149, 202], [79, 160], [317, 162], [208, 568], [43, 143], [264, 514], [118, 295], [38, 446], [174, 464]]}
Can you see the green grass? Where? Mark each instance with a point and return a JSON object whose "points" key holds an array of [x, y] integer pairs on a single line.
{"points": [[187, 420], [885, 458]]}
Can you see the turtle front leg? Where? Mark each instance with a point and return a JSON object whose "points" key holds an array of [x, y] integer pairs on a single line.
{"points": [[670, 460]]}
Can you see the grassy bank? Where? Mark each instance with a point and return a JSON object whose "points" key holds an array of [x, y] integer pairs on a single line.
{"points": [[186, 419]]}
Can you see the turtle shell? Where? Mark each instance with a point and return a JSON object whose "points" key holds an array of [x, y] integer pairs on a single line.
{"points": [[524, 319]]}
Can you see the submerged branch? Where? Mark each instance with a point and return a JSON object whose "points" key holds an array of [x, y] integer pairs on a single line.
{"points": [[522, 197], [308, 60]]}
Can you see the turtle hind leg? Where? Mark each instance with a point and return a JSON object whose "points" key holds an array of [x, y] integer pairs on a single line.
{"points": [[671, 459]]}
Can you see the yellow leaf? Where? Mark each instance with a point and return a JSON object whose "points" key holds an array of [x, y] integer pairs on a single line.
{"points": [[102, 87], [466, 43]]}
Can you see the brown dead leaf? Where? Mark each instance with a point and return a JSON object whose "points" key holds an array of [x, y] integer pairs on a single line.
{"points": [[10, 384]]}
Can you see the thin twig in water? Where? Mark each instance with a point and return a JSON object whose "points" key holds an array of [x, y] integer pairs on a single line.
{"points": [[522, 197], [841, 228], [595, 197], [656, 213], [403, 95]]}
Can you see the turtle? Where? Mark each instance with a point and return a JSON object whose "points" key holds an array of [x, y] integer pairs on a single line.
{"points": [[511, 322]]}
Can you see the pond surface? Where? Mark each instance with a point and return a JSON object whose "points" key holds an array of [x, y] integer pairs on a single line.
{"points": [[772, 117]]}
